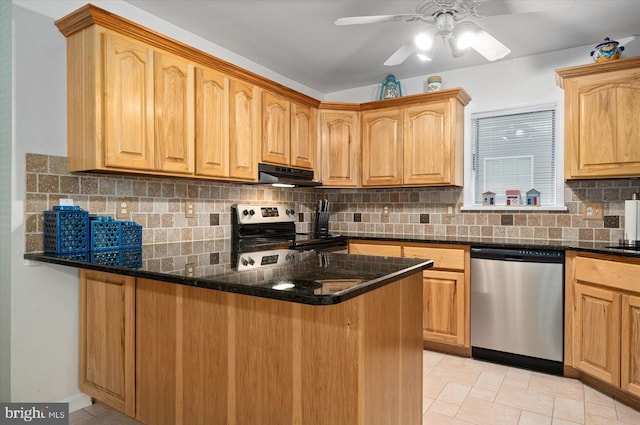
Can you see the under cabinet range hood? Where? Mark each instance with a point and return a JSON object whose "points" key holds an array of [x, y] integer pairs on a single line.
{"points": [[278, 175]]}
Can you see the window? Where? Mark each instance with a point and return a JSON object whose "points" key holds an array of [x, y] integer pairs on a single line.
{"points": [[515, 150]]}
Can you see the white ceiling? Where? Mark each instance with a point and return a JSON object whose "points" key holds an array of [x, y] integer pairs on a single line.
{"points": [[298, 39]]}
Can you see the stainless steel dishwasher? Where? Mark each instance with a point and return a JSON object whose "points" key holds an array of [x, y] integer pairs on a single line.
{"points": [[517, 307]]}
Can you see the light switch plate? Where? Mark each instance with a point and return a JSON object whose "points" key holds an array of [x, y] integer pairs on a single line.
{"points": [[592, 210]]}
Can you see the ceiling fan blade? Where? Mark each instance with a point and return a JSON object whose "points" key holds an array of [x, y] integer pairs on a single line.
{"points": [[400, 55], [357, 20], [488, 46]]}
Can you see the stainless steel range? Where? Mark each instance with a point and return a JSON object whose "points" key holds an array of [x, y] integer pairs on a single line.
{"points": [[265, 235]]}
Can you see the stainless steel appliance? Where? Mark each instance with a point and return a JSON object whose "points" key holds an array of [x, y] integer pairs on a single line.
{"points": [[278, 175], [264, 235], [517, 307]]}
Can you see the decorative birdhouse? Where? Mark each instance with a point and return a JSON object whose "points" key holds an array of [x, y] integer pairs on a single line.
{"points": [[390, 88], [488, 198], [533, 198], [513, 197]]}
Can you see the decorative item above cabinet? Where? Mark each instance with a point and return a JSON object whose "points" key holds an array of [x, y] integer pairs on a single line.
{"points": [[602, 130], [145, 103]]}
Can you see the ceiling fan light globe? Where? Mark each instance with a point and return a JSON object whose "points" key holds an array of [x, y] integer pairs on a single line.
{"points": [[424, 41], [455, 50], [465, 40]]}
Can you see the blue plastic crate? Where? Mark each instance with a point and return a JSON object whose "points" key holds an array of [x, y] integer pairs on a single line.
{"points": [[108, 258], [106, 233], [131, 235], [66, 230], [131, 258]]}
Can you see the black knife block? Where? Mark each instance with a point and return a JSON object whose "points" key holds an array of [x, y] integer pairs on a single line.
{"points": [[322, 224]]}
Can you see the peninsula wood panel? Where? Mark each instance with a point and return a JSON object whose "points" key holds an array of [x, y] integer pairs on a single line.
{"points": [[129, 98], [602, 132], [382, 154], [596, 332], [206, 356], [212, 123], [340, 139], [107, 338], [630, 344], [303, 136], [174, 113], [243, 131], [276, 129]]}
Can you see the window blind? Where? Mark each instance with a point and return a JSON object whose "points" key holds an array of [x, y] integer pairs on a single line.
{"points": [[514, 152]]}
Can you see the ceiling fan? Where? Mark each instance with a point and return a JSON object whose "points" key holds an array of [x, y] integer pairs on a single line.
{"points": [[447, 22]]}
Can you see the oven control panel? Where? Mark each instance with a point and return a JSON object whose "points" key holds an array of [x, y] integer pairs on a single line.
{"points": [[258, 214], [272, 257]]}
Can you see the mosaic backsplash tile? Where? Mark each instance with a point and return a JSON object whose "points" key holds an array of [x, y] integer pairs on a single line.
{"points": [[158, 205]]}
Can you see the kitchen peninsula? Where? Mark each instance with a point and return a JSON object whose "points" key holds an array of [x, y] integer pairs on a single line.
{"points": [[329, 338]]}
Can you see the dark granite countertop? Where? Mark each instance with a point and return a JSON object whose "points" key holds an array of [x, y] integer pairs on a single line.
{"points": [[318, 278], [585, 246]]}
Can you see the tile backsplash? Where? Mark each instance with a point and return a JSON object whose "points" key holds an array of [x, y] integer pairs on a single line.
{"points": [[157, 203]]}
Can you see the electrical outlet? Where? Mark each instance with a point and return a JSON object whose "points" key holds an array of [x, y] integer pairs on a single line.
{"points": [[189, 269], [189, 208], [122, 211], [385, 210], [451, 209], [592, 211]]}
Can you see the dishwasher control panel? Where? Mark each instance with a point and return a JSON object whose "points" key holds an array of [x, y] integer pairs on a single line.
{"points": [[518, 254]]}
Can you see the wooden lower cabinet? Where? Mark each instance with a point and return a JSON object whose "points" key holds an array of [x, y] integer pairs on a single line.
{"points": [[596, 344], [107, 338], [212, 357], [446, 288], [443, 317], [602, 331], [630, 345]]}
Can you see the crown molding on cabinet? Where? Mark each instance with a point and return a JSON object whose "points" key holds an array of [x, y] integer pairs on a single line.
{"points": [[92, 15], [596, 68]]}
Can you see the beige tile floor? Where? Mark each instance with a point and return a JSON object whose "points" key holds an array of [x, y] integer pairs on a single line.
{"points": [[459, 391]]}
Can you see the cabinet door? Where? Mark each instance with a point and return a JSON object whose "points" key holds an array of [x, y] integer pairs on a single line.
{"points": [[174, 113], [427, 144], [303, 136], [630, 359], [382, 148], [128, 117], [596, 332], [603, 130], [107, 338], [340, 148], [212, 123], [444, 306], [276, 129], [242, 131]]}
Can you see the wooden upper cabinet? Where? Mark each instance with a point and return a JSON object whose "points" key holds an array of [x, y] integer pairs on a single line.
{"points": [[276, 129], [128, 100], [433, 143], [340, 141], [174, 113], [602, 130], [212, 123], [243, 131], [303, 136], [382, 147]]}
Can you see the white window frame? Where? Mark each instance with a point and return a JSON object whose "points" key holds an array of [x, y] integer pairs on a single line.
{"points": [[469, 175]]}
